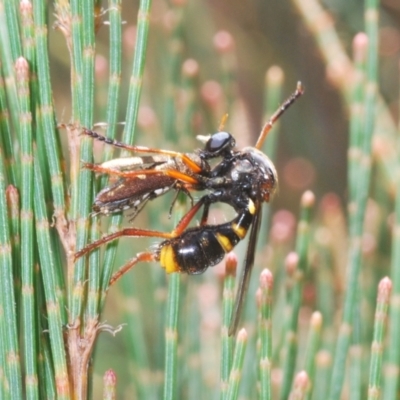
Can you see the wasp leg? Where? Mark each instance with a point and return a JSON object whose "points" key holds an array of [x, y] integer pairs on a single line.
{"points": [[141, 257], [179, 189], [154, 256], [136, 149], [137, 210], [134, 232], [204, 216], [130, 174], [142, 149]]}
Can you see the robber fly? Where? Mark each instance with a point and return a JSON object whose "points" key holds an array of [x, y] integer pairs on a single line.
{"points": [[243, 179]]}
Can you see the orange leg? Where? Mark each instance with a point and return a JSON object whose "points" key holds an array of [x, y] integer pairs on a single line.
{"points": [[141, 257], [134, 232], [151, 256], [142, 149], [135, 149], [130, 174]]}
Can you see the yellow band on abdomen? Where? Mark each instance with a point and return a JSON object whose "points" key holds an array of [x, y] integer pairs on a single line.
{"points": [[167, 259]]}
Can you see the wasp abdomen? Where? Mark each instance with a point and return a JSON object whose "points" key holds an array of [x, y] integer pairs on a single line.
{"points": [[205, 246]]}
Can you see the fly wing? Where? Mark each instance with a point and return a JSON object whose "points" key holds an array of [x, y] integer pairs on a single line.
{"points": [[246, 273], [129, 193], [135, 163]]}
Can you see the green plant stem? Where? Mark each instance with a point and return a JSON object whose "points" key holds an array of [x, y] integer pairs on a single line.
{"points": [[114, 81], [374, 387], [136, 80], [8, 320], [46, 115], [302, 240], [237, 366], [53, 305], [265, 333], [272, 96], [358, 204], [28, 294], [314, 341], [88, 54], [191, 323], [391, 380], [47, 375], [112, 108], [355, 372], [13, 28], [356, 359], [9, 44], [76, 57], [5, 137], [84, 42], [171, 338], [13, 207], [357, 110], [132, 109], [227, 309], [92, 309]]}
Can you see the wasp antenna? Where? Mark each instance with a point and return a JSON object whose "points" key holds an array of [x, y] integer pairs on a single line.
{"points": [[286, 104], [300, 88], [222, 122]]}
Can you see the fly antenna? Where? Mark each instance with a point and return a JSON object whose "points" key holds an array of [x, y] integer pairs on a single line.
{"points": [[286, 104]]}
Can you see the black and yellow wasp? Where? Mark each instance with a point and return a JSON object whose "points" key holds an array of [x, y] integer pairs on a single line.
{"points": [[243, 179]]}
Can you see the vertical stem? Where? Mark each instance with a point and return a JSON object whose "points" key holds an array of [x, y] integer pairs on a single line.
{"points": [[27, 261], [303, 237], [112, 108], [314, 340], [5, 137], [76, 57], [357, 205], [48, 267], [237, 366], [265, 331], [8, 320], [227, 309], [391, 381], [132, 109], [375, 371], [171, 338], [9, 50], [46, 111]]}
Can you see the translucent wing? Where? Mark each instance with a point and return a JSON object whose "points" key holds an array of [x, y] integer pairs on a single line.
{"points": [[246, 273]]}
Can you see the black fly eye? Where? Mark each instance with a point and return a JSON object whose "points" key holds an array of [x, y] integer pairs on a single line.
{"points": [[219, 142]]}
